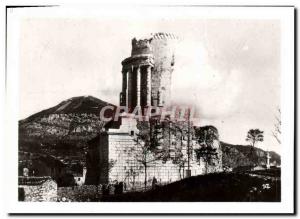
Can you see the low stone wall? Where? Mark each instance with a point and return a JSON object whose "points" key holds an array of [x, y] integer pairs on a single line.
{"points": [[79, 193], [39, 193]]}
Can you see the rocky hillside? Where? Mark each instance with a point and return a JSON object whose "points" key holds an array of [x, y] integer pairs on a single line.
{"points": [[75, 118], [63, 130], [240, 155]]}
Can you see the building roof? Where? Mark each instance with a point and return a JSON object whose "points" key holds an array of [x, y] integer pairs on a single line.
{"points": [[33, 181]]}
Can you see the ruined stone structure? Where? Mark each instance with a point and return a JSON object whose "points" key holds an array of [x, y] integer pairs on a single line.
{"points": [[147, 73], [208, 139], [97, 160], [113, 155], [37, 189], [125, 152]]}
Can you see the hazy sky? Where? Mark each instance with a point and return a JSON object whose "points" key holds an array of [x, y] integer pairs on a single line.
{"points": [[229, 68]]}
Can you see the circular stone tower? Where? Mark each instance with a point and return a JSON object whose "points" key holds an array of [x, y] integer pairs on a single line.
{"points": [[147, 73], [163, 45]]}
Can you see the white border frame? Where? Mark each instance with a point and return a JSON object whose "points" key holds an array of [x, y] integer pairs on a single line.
{"points": [[286, 16]]}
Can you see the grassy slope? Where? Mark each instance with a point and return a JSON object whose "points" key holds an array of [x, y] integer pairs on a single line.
{"points": [[225, 187]]}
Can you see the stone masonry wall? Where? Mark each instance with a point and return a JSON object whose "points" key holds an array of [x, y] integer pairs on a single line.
{"points": [[104, 158], [39, 193], [124, 151]]}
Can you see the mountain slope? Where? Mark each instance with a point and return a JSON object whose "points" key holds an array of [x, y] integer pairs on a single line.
{"points": [[240, 155], [63, 130], [75, 118]]}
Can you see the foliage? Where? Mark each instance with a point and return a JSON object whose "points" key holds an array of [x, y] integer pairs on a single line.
{"points": [[180, 161], [207, 154], [147, 141], [131, 175], [254, 135], [206, 135]]}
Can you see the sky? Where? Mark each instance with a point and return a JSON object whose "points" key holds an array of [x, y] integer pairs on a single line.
{"points": [[228, 68]]}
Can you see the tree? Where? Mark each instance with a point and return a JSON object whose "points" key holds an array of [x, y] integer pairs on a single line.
{"points": [[180, 161], [131, 175], [254, 136], [207, 154], [178, 130], [147, 142], [206, 136], [277, 127]]}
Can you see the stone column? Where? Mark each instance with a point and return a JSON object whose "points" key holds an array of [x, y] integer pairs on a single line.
{"points": [[138, 86], [124, 84], [129, 90], [124, 88], [149, 85], [127, 85]]}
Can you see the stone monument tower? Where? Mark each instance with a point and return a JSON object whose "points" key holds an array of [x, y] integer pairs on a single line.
{"points": [[147, 73]]}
